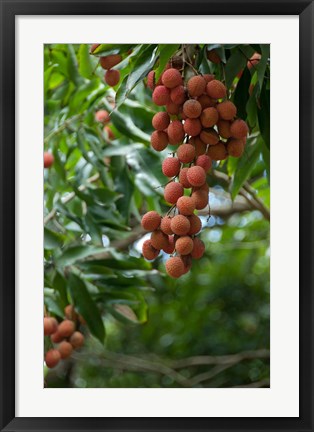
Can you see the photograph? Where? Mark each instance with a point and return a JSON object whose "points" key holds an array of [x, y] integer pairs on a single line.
{"points": [[156, 214]]}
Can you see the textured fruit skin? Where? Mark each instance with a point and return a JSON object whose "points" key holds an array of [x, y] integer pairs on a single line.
{"points": [[198, 248], [173, 191], [196, 224], [187, 262], [148, 251], [52, 358], [209, 117], [217, 152], [209, 136], [204, 161], [224, 128], [151, 221], [239, 129], [192, 127], [93, 47], [161, 121], [174, 267], [208, 77], [77, 340], [48, 159], [159, 240], [56, 337], [112, 77], [102, 116], [151, 80], [171, 78], [171, 167], [200, 198], [184, 245], [180, 225], [165, 225], [177, 95], [172, 108], [186, 205], [206, 101], [175, 132], [192, 108], [170, 247], [110, 61], [159, 140], [66, 328], [216, 89], [183, 178], [161, 95], [196, 86], [70, 313], [65, 349], [199, 145], [186, 153], [254, 60], [213, 56], [227, 110], [196, 176], [235, 147], [50, 326]]}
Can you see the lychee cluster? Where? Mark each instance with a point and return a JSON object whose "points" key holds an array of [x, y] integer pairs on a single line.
{"points": [[63, 335], [102, 116], [203, 125], [112, 76]]}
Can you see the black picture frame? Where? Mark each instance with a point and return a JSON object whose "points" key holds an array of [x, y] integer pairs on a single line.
{"points": [[9, 10]]}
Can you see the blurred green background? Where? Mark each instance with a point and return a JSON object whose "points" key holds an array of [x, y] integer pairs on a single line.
{"points": [[211, 327]]}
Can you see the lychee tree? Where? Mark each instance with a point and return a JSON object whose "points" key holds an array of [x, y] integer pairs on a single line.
{"points": [[136, 138]]}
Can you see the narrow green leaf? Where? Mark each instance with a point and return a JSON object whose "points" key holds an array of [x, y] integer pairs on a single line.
{"points": [[166, 51], [261, 67], [241, 95], [75, 253], [72, 66], [263, 115], [52, 239], [86, 306], [142, 65], [237, 62], [122, 92], [86, 66]]}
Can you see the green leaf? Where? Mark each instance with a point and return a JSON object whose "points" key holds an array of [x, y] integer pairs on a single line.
{"points": [[60, 284], [261, 67], [246, 164], [241, 95], [263, 115], [109, 49], [144, 62], [72, 66], [166, 51], [122, 92], [75, 253], [86, 306], [237, 62], [52, 239], [86, 67]]}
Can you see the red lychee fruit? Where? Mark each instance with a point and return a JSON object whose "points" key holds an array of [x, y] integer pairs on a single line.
{"points": [[216, 89], [56, 337], [196, 224], [204, 161], [110, 61], [192, 108], [198, 248], [172, 108], [217, 152], [171, 167], [70, 313], [213, 56], [161, 121], [175, 132], [177, 95], [148, 251], [151, 80], [50, 326], [199, 145], [170, 247], [165, 225], [161, 95], [102, 116], [239, 129], [175, 267], [206, 101], [224, 128], [151, 221], [254, 60], [208, 77], [66, 328], [183, 178], [186, 205], [159, 240], [200, 198], [186, 153], [180, 225], [171, 78], [196, 86], [209, 136], [196, 176], [173, 191], [184, 245], [53, 357], [227, 110], [235, 147], [77, 340], [48, 159], [93, 47], [209, 117], [187, 262], [112, 77], [159, 140], [192, 127], [65, 349]]}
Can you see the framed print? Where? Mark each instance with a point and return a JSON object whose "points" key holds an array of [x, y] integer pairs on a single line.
{"points": [[156, 216]]}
